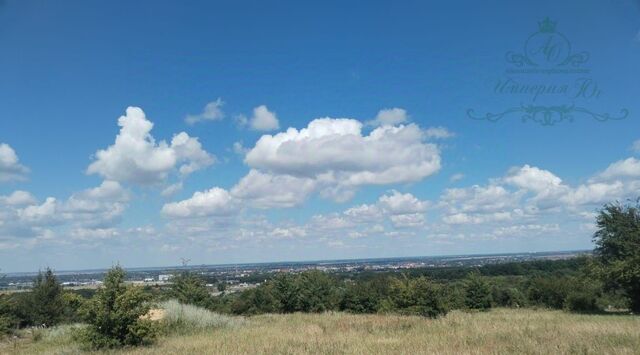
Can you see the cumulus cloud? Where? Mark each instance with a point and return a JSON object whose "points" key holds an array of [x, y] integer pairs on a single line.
{"points": [[263, 119], [212, 112], [23, 217], [411, 220], [10, 167], [533, 178], [402, 211], [398, 203], [334, 151], [18, 198], [135, 157], [263, 190], [628, 168], [478, 198], [390, 116], [213, 202], [329, 156]]}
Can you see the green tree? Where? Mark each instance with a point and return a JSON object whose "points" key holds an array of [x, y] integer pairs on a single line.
{"points": [[189, 288], [115, 314], [477, 292], [418, 296], [317, 291], [259, 300], [46, 304], [72, 304], [617, 251], [287, 291], [7, 320]]}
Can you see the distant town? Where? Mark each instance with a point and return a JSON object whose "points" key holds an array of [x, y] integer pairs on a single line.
{"points": [[231, 278]]}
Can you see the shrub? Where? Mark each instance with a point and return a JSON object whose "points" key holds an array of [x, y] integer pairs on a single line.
{"points": [[477, 293], [581, 302], [256, 301], [5, 325], [310, 291], [189, 288], [508, 297], [549, 292], [72, 305], [115, 314], [365, 296], [418, 296], [184, 317]]}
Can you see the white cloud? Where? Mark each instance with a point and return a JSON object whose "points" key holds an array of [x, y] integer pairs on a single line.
{"points": [[456, 177], [628, 168], [334, 152], [398, 203], [10, 167], [212, 112], [189, 150], [171, 189], [477, 198], [263, 119], [594, 193], [239, 149], [99, 207], [43, 213], [635, 147], [330, 156], [135, 156], [465, 218], [18, 198], [534, 179], [88, 234], [288, 233], [438, 133], [407, 220], [390, 116], [213, 202], [22, 216], [263, 190]]}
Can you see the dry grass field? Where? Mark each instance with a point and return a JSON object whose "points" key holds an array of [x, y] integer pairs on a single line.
{"points": [[500, 331]]}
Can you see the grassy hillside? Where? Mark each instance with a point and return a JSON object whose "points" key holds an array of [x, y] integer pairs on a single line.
{"points": [[498, 331]]}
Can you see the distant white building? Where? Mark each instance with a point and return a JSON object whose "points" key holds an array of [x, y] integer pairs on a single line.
{"points": [[164, 277]]}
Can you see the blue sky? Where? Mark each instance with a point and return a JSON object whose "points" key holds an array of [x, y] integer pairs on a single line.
{"points": [[405, 172]]}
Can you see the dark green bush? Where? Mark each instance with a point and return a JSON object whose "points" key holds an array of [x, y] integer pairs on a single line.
{"points": [[189, 288], [256, 301], [549, 292], [115, 315], [582, 302], [365, 296], [418, 296], [508, 297], [477, 292]]}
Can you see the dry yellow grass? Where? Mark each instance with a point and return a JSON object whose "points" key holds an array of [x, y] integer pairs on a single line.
{"points": [[500, 331]]}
